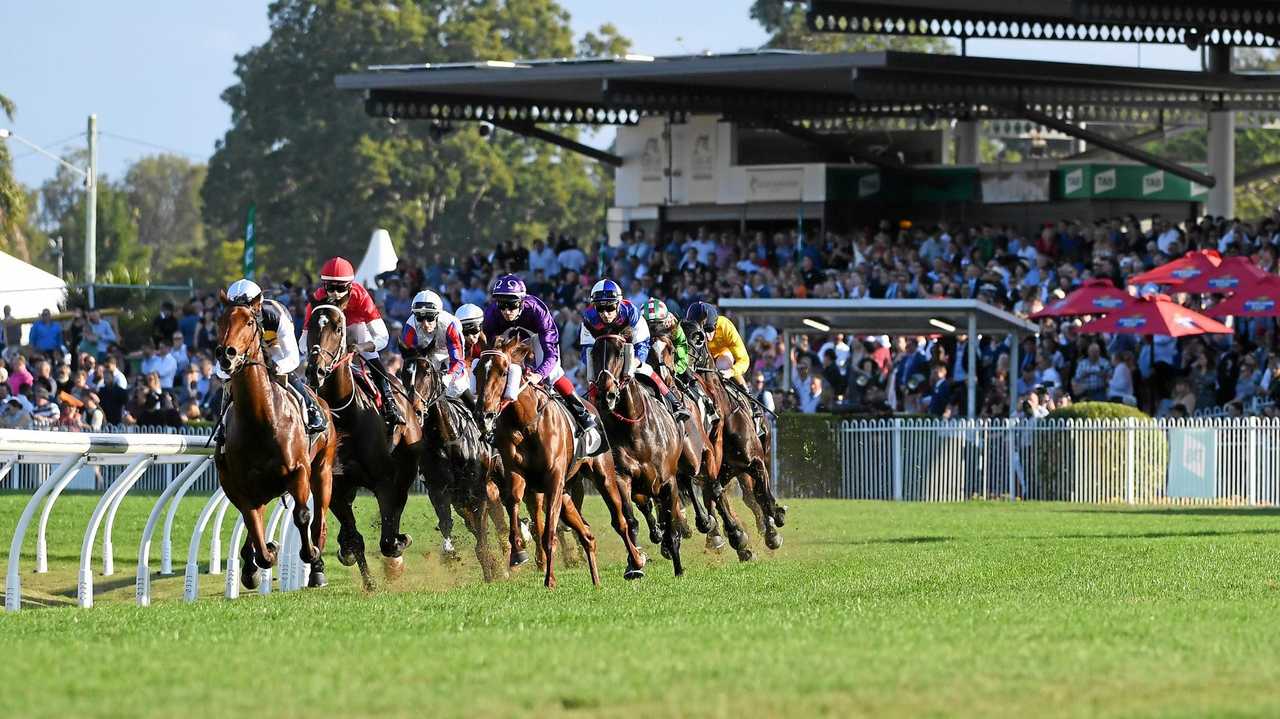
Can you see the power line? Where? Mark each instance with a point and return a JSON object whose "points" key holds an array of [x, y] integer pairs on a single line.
{"points": [[54, 144], [144, 143]]}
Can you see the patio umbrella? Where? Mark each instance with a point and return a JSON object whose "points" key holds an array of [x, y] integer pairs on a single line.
{"points": [[1260, 298], [1155, 315], [1228, 277], [1095, 297], [1185, 268]]}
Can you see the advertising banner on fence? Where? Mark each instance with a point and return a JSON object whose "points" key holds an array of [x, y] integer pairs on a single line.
{"points": [[1193, 455]]}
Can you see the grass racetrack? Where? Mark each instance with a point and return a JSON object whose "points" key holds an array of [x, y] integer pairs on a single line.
{"points": [[869, 609]]}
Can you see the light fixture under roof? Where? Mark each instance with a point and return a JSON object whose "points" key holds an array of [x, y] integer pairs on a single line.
{"points": [[817, 324], [637, 57], [942, 324]]}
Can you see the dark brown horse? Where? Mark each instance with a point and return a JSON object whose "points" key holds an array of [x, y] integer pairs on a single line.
{"points": [[535, 437], [368, 457], [460, 469], [267, 452], [649, 447], [743, 450]]}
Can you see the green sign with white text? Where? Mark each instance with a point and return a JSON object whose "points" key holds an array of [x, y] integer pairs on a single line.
{"points": [[1126, 182]]}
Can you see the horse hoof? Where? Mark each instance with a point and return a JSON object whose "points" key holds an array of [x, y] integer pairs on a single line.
{"points": [[316, 580], [685, 532], [780, 515], [703, 525], [392, 568], [519, 558], [268, 561], [772, 540], [738, 539], [346, 557], [666, 553], [715, 542], [249, 579], [745, 555], [655, 537], [405, 541], [633, 573]]}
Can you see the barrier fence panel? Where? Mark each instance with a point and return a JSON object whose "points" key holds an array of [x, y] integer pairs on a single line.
{"points": [[1137, 461]]}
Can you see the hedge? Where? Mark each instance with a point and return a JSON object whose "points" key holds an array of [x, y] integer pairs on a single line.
{"points": [[808, 465], [1061, 455]]}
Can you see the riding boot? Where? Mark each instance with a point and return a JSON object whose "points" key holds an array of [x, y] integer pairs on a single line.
{"points": [[390, 408], [220, 433], [676, 405], [581, 414], [316, 422]]}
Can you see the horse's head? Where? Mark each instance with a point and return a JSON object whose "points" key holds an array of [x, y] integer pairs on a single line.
{"points": [[326, 337], [498, 373], [424, 378], [610, 358], [696, 336], [239, 333]]}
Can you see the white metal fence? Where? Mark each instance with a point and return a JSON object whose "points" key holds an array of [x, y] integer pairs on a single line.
{"points": [[1232, 461], [28, 476]]}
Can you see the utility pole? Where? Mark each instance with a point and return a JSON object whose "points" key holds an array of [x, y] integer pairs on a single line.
{"points": [[91, 213]]}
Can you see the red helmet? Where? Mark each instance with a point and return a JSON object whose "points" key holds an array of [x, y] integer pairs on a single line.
{"points": [[338, 269]]}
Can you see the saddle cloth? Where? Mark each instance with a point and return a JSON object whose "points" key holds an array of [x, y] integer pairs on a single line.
{"points": [[366, 384]]}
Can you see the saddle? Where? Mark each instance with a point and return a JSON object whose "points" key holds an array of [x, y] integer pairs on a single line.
{"points": [[366, 384]]}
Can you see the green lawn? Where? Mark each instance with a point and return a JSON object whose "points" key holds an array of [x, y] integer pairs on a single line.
{"points": [[870, 609]]}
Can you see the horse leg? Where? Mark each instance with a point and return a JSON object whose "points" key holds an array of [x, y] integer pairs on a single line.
{"points": [[248, 566], [738, 537], [748, 483], [492, 505], [321, 495], [264, 551], [763, 503], [711, 491], [477, 522], [350, 541], [573, 518], [669, 510], [438, 493], [551, 508], [392, 496], [535, 503], [701, 519], [512, 497], [646, 508], [300, 488], [624, 525]]}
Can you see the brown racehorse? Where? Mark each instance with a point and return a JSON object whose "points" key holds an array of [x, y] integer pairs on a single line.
{"points": [[267, 452], [460, 469], [649, 447], [368, 457], [744, 453], [535, 437]]}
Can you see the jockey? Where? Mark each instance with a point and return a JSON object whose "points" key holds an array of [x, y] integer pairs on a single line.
{"points": [[666, 330], [609, 314], [282, 354], [365, 328], [723, 342], [432, 331], [471, 317], [510, 305]]}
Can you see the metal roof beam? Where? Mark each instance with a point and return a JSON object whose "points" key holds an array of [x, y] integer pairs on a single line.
{"points": [[1160, 133], [528, 129], [1115, 146], [1262, 172]]}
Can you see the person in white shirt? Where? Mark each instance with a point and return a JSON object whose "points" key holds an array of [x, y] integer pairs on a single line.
{"points": [[111, 374], [839, 346], [543, 258], [180, 353], [570, 258], [1120, 388]]}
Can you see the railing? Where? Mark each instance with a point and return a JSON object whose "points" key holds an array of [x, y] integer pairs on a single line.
{"points": [[29, 475], [125, 458], [1220, 460]]}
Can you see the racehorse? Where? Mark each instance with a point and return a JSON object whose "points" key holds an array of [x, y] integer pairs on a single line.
{"points": [[460, 469], [536, 442], [744, 452], [649, 447], [368, 457], [267, 452]]}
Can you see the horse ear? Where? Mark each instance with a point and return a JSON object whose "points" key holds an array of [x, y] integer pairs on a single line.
{"points": [[256, 304], [222, 297]]}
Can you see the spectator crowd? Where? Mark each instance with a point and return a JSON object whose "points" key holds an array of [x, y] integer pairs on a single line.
{"points": [[74, 371]]}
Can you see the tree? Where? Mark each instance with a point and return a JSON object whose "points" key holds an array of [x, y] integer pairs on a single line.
{"points": [[121, 258], [164, 192], [323, 174], [784, 20], [13, 199]]}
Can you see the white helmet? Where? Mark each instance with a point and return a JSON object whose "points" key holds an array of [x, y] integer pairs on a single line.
{"points": [[243, 291], [469, 315], [426, 305]]}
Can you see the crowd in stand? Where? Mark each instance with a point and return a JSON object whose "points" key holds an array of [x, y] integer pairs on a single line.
{"points": [[76, 373]]}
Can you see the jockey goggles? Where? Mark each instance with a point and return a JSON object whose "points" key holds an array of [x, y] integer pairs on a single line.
{"points": [[509, 303], [336, 288], [471, 329], [606, 306], [425, 315]]}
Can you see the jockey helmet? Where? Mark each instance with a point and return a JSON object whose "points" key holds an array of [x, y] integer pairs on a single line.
{"points": [[702, 314], [655, 311], [426, 305], [508, 287], [606, 292], [470, 317], [337, 275], [243, 292]]}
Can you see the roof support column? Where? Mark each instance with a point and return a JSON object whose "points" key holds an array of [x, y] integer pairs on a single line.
{"points": [[971, 366], [967, 142], [1222, 144]]}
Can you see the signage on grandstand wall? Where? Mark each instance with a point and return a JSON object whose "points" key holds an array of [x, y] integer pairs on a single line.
{"points": [[868, 185], [1193, 455], [1125, 182], [1031, 185], [776, 184], [852, 184]]}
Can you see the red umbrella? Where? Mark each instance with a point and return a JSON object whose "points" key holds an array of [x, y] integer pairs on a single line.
{"points": [[1261, 298], [1155, 315], [1095, 297], [1185, 268], [1228, 277]]}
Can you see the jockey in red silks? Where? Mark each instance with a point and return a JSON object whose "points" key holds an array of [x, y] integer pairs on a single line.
{"points": [[366, 331]]}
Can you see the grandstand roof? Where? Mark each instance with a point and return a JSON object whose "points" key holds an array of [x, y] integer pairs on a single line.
{"points": [[769, 86], [879, 317]]}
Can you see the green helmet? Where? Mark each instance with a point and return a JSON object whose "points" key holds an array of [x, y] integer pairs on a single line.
{"points": [[655, 311]]}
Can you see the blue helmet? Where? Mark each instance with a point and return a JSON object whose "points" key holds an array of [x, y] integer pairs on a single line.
{"points": [[606, 291], [508, 286], [703, 314]]}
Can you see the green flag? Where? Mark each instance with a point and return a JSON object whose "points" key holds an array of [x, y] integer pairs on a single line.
{"points": [[249, 244]]}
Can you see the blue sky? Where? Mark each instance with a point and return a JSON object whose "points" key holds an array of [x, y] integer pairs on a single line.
{"points": [[153, 69]]}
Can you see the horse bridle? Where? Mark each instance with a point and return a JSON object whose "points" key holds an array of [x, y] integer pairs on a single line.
{"points": [[333, 359], [620, 383], [241, 361]]}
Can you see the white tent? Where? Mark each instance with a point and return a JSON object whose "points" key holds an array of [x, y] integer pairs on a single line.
{"points": [[379, 258], [27, 289]]}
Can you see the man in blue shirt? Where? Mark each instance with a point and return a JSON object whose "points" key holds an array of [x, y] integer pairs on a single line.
{"points": [[45, 334]]}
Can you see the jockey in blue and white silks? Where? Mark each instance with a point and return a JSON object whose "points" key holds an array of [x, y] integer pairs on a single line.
{"points": [[431, 331], [610, 314]]}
